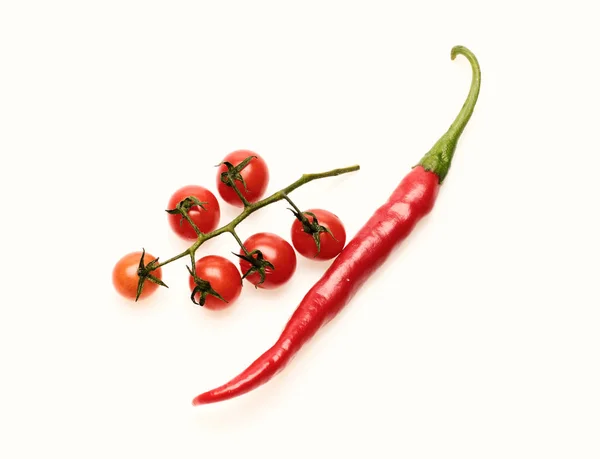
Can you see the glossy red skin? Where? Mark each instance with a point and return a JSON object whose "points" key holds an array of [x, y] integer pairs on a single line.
{"points": [[276, 250], [389, 226], [255, 174], [206, 220], [305, 244], [125, 278], [224, 278]]}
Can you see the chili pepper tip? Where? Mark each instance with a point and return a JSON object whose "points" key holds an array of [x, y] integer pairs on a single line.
{"points": [[197, 401]]}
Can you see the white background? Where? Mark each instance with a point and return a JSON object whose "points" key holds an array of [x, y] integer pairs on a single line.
{"points": [[478, 339]]}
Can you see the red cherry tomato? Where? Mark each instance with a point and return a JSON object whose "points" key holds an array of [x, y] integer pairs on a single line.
{"points": [[255, 175], [275, 250], [206, 220], [125, 277], [224, 278], [305, 244]]}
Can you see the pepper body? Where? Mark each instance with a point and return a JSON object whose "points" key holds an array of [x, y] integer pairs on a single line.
{"points": [[387, 227], [413, 198]]}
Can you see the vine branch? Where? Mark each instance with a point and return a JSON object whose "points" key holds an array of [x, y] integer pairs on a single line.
{"points": [[251, 208]]}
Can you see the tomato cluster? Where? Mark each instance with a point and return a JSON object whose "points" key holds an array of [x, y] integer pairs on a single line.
{"points": [[266, 260]]}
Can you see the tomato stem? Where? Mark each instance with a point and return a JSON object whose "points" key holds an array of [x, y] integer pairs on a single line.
{"points": [[249, 209], [175, 258], [232, 174], [240, 195], [191, 222], [239, 241], [193, 261], [299, 215]]}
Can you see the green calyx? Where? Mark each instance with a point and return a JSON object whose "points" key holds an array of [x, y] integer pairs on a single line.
{"points": [[144, 273], [203, 288], [439, 158], [184, 206], [312, 227], [258, 264], [233, 173]]}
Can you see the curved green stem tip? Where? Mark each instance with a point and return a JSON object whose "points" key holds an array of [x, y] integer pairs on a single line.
{"points": [[438, 159]]}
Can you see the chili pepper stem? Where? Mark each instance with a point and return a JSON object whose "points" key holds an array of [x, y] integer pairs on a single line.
{"points": [[253, 207], [439, 158]]}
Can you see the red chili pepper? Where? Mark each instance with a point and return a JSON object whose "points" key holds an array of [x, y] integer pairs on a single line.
{"points": [[389, 225]]}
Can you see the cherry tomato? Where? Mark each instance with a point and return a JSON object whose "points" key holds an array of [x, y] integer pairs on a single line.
{"points": [[305, 243], [125, 277], [224, 278], [205, 219], [275, 250], [255, 175]]}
